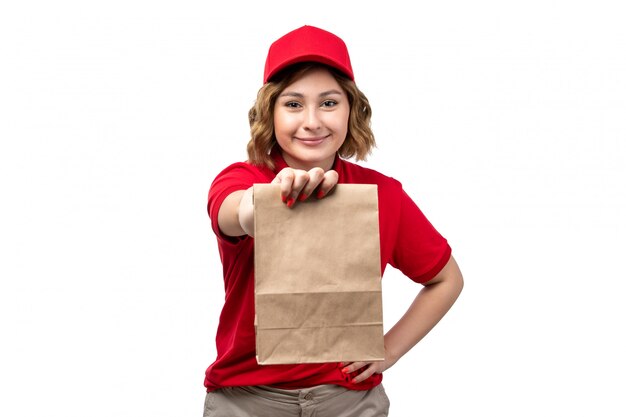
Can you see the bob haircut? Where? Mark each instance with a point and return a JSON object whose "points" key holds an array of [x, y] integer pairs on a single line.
{"points": [[359, 140]]}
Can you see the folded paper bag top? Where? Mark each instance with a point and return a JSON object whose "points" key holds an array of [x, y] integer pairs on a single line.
{"points": [[318, 295]]}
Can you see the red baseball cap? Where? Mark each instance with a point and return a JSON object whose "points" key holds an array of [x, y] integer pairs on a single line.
{"points": [[307, 44]]}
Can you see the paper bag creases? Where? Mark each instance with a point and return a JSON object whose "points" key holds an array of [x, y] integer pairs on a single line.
{"points": [[317, 277]]}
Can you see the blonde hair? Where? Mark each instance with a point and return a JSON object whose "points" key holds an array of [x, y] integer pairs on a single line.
{"points": [[359, 140]]}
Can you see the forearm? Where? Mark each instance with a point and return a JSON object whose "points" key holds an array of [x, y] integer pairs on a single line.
{"points": [[236, 215], [429, 306], [245, 213]]}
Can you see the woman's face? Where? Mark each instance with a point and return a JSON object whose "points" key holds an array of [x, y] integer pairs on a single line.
{"points": [[311, 120]]}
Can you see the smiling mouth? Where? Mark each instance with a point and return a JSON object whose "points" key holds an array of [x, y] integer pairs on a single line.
{"points": [[311, 141]]}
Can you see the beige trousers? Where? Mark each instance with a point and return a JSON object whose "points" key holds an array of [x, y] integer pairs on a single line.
{"points": [[320, 401]]}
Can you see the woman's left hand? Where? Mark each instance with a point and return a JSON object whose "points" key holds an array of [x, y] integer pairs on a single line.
{"points": [[366, 369]]}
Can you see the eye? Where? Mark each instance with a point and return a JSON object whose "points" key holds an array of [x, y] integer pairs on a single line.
{"points": [[292, 104], [329, 103]]}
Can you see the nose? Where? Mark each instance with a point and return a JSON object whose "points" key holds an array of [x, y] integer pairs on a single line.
{"points": [[311, 119]]}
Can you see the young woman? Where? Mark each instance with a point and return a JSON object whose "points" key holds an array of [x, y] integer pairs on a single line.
{"points": [[309, 117]]}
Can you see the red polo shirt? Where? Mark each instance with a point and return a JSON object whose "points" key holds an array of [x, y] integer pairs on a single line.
{"points": [[408, 242]]}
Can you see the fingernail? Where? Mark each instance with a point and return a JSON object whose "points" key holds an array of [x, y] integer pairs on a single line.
{"points": [[344, 370], [284, 198], [290, 202], [354, 381], [302, 197], [320, 194]]}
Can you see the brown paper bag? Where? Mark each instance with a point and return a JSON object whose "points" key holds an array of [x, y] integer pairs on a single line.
{"points": [[318, 294]]}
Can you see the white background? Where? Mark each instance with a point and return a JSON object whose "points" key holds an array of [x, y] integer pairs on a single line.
{"points": [[504, 120]]}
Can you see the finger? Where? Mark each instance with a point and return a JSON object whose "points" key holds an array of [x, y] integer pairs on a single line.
{"points": [[367, 372], [352, 367], [328, 183], [285, 178], [316, 175], [299, 181]]}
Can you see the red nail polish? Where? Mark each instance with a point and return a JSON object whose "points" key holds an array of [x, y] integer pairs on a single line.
{"points": [[344, 370], [320, 194], [302, 197], [290, 202], [284, 198]]}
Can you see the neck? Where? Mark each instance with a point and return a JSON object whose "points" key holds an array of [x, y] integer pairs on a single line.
{"points": [[326, 164]]}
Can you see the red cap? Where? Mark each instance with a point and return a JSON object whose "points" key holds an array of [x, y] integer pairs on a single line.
{"points": [[308, 44]]}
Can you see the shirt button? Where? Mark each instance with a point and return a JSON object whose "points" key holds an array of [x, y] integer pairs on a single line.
{"points": [[308, 397]]}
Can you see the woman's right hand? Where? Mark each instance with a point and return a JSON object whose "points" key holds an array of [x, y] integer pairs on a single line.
{"points": [[236, 215], [298, 184]]}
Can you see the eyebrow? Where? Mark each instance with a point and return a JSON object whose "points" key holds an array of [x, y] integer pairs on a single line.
{"points": [[299, 95]]}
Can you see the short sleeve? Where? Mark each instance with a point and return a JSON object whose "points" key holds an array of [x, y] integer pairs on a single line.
{"points": [[420, 251]]}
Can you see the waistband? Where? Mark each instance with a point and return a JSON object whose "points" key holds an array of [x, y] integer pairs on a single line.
{"points": [[296, 396]]}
